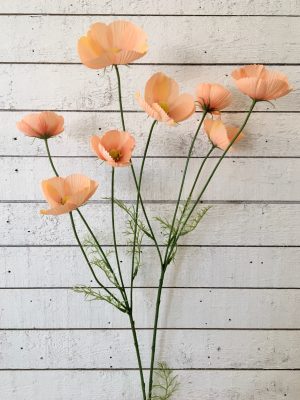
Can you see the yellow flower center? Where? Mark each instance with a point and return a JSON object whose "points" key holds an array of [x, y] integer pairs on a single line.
{"points": [[164, 106], [64, 200], [115, 154]]}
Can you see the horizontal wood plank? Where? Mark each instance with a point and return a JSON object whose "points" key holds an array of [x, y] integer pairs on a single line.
{"points": [[266, 39], [241, 179], [266, 135], [74, 87], [77, 385], [176, 7], [180, 349], [194, 267], [222, 308], [224, 224]]}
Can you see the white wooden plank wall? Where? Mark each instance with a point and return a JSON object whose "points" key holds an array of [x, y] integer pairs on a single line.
{"points": [[239, 272]]}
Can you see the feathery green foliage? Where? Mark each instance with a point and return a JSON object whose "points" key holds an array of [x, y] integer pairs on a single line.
{"points": [[92, 295], [165, 383]]}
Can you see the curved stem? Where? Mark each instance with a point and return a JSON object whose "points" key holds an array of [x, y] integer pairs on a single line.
{"points": [[132, 167], [137, 210], [50, 158], [153, 347], [182, 184], [189, 198], [88, 262], [217, 165]]}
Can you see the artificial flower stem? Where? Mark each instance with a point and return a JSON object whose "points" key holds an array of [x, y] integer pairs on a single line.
{"points": [[89, 264], [153, 346], [217, 165], [137, 210], [132, 167], [101, 250], [191, 193], [182, 183], [50, 158]]}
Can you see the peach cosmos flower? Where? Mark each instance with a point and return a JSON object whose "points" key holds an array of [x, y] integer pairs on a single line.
{"points": [[163, 102], [66, 194], [41, 125], [260, 83], [120, 42], [220, 134], [114, 147], [212, 97]]}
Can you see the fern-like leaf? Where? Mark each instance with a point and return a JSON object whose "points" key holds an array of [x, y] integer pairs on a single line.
{"points": [[137, 248], [98, 260], [92, 295], [193, 223], [165, 383]]}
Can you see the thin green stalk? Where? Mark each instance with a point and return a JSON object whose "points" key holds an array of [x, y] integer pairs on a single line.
{"points": [[217, 165], [191, 194], [88, 262], [153, 347], [137, 210], [182, 184], [50, 158], [132, 167]]}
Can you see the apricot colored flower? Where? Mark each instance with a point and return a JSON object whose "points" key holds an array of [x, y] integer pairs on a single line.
{"points": [[260, 83], [220, 134], [114, 147], [66, 194], [163, 102], [212, 97], [120, 42], [41, 125]]}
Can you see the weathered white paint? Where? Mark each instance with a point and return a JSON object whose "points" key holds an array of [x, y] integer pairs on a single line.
{"points": [[194, 267], [180, 7], [224, 224], [219, 308], [265, 38], [266, 135], [180, 349], [217, 385], [242, 179], [200, 40], [41, 86]]}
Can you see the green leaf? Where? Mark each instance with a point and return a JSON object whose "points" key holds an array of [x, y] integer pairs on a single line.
{"points": [[193, 223], [92, 295], [137, 249], [165, 383]]}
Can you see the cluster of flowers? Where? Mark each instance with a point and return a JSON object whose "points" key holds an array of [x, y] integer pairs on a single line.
{"points": [[121, 42]]}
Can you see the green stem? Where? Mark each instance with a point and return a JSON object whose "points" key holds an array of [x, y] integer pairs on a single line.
{"points": [[153, 347], [132, 167], [190, 198], [88, 262], [217, 165], [182, 185], [137, 210], [50, 158]]}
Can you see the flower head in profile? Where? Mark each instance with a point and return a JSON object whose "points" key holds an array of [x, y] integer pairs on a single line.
{"points": [[163, 102], [41, 125], [261, 84], [212, 97], [114, 147], [220, 134], [66, 194], [120, 42]]}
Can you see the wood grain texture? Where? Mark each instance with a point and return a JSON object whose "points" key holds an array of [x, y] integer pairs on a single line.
{"points": [[266, 135], [177, 7], [215, 39], [241, 179], [224, 224], [194, 267], [180, 349], [219, 385], [222, 308], [74, 87]]}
